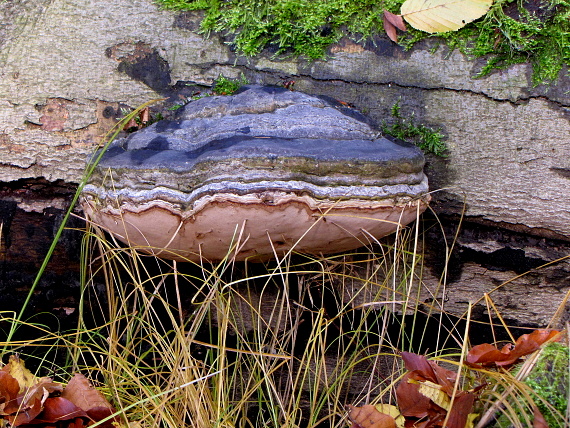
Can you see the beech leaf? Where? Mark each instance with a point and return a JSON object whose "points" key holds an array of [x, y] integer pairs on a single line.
{"points": [[17, 369], [59, 409], [488, 355], [391, 22], [539, 421], [440, 16], [434, 393], [368, 416], [9, 389], [410, 401], [418, 363], [460, 415], [81, 393], [393, 411], [27, 413]]}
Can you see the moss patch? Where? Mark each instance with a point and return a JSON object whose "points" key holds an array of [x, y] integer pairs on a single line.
{"points": [[514, 31], [549, 382], [405, 128]]}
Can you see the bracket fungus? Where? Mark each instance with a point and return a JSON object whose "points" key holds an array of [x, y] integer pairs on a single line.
{"points": [[256, 173]]}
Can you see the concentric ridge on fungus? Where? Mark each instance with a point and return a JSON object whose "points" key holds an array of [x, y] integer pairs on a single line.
{"points": [[264, 170]]}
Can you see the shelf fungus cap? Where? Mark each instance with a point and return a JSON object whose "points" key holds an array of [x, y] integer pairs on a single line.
{"points": [[254, 175]]}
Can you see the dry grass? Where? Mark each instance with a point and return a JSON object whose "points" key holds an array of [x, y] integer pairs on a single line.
{"points": [[285, 344]]}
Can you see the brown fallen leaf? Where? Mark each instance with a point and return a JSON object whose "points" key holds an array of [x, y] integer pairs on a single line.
{"points": [[83, 394], [58, 409], [144, 116], [539, 421], [368, 416], [26, 414], [419, 363], [424, 395], [391, 23], [9, 389], [410, 401], [429, 370], [30, 403], [17, 369], [460, 410], [485, 355]]}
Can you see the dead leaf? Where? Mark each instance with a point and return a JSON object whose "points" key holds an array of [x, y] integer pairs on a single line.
{"points": [[460, 412], [9, 389], [30, 403], [17, 369], [434, 393], [391, 410], [26, 413], [368, 416], [419, 363], [539, 421], [132, 123], [410, 401], [391, 23], [444, 377], [144, 115], [425, 394], [429, 370], [80, 392], [528, 343], [485, 355], [439, 16], [58, 409]]}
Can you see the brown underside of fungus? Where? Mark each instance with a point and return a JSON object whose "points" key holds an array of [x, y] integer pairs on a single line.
{"points": [[254, 175]]}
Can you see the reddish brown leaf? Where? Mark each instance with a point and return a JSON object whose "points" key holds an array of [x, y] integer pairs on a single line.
{"points": [[58, 409], [396, 20], [488, 355], [420, 364], [539, 421], [26, 413], [144, 115], [444, 377], [9, 388], [391, 22], [410, 401], [82, 394], [17, 369], [368, 416], [424, 369], [132, 123], [528, 343], [485, 354], [390, 30], [29, 404], [462, 407]]}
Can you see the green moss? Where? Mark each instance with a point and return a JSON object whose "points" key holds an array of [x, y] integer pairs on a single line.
{"points": [[304, 27], [225, 86], [535, 31], [549, 381], [512, 33], [428, 139]]}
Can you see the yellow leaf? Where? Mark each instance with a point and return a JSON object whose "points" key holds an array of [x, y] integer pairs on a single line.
{"points": [[439, 16], [393, 411], [470, 420], [434, 393], [18, 371]]}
